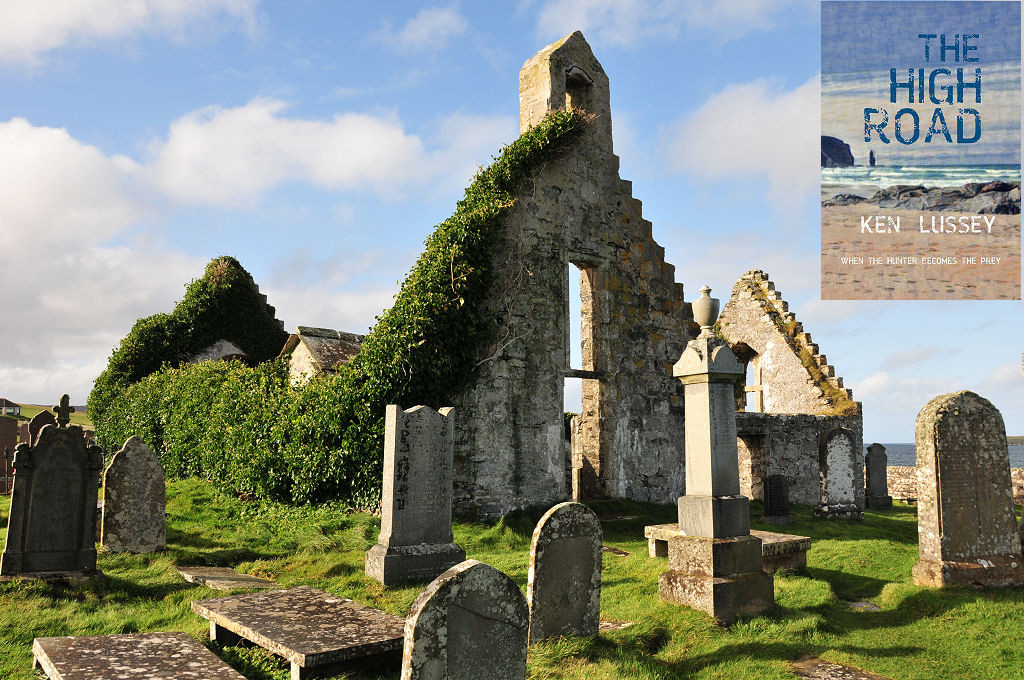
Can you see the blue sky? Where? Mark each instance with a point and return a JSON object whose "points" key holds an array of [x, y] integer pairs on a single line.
{"points": [[319, 142]]}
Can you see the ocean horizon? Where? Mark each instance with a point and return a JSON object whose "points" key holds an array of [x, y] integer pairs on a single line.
{"points": [[883, 176], [905, 454]]}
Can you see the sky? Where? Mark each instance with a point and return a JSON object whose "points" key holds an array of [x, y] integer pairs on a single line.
{"points": [[320, 142], [857, 77]]}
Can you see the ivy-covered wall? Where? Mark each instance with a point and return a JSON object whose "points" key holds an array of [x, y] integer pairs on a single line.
{"points": [[250, 430]]}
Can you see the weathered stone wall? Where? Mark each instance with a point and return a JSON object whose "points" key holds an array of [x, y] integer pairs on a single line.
{"points": [[902, 482], [509, 431], [787, 444]]}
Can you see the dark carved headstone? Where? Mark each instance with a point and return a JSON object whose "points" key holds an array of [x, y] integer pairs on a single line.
{"points": [[776, 500], [36, 424], [8, 433], [965, 517], [51, 530], [877, 491]]}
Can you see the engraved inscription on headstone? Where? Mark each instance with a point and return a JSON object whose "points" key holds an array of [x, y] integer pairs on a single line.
{"points": [[52, 518], [966, 522], [839, 461], [134, 501], [470, 623], [776, 500], [416, 540], [564, 583]]}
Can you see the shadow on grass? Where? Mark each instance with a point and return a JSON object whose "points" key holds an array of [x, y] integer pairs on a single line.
{"points": [[848, 586], [195, 551]]}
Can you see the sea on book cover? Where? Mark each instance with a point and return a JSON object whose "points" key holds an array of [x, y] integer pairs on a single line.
{"points": [[920, 150]]}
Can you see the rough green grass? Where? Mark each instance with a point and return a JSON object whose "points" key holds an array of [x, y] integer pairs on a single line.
{"points": [[920, 633]]}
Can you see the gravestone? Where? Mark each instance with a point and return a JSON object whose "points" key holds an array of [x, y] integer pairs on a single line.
{"points": [[8, 433], [564, 583], [838, 460], [37, 423], [51, 530], [876, 465], [714, 564], [416, 542], [23, 436], [965, 519], [134, 499], [153, 656], [470, 623], [224, 578], [776, 500]]}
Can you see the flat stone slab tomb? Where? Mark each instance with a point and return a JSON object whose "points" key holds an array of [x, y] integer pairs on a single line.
{"points": [[223, 578], [778, 551], [142, 656], [308, 627]]}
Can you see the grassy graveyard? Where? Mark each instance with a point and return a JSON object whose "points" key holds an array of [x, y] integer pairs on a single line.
{"points": [[919, 633]]}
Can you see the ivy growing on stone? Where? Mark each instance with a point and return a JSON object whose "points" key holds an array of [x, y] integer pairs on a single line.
{"points": [[250, 430]]}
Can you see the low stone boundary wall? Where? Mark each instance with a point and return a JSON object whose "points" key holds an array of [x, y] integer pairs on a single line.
{"points": [[902, 482]]}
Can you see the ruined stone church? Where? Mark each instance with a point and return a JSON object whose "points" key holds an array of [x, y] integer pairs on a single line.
{"points": [[510, 449]]}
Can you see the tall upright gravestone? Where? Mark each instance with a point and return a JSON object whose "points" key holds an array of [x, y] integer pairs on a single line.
{"points": [[876, 465], [469, 624], [8, 433], [965, 517], [716, 566], [838, 459], [134, 499], [564, 583], [416, 541], [50, 533]]}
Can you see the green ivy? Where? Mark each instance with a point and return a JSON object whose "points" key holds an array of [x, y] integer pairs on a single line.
{"points": [[224, 304], [250, 430]]}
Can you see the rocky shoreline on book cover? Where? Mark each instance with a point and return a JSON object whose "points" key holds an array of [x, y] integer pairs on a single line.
{"points": [[920, 150]]}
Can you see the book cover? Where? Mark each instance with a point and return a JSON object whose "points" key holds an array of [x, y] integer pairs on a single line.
{"points": [[920, 150]]}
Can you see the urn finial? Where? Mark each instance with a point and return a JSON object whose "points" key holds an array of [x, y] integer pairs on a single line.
{"points": [[705, 311]]}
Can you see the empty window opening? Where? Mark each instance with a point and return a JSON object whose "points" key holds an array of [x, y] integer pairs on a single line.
{"points": [[577, 89]]}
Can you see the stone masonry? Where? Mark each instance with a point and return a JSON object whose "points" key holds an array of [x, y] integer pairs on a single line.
{"points": [[509, 441], [792, 395]]}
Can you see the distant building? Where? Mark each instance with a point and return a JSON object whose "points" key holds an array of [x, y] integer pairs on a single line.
{"points": [[312, 351], [9, 408]]}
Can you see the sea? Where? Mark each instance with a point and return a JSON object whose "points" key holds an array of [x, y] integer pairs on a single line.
{"points": [[881, 176], [903, 454]]}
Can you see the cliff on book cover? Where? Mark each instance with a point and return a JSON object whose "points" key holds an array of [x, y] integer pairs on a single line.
{"points": [[920, 150]]}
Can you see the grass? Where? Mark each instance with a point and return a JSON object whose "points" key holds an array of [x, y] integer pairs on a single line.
{"points": [[920, 633], [77, 418]]}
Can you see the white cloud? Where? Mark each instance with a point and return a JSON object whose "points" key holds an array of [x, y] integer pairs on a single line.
{"points": [[912, 356], [752, 130], [625, 22], [29, 28], [428, 31]]}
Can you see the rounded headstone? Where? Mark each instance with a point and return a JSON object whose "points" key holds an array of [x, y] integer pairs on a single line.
{"points": [[564, 589], [470, 623], [134, 501]]}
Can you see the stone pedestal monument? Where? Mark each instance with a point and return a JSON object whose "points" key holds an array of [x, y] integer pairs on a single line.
{"points": [[416, 542], [716, 565]]}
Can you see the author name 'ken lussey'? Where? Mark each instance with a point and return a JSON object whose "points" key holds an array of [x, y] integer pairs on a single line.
{"points": [[946, 224]]}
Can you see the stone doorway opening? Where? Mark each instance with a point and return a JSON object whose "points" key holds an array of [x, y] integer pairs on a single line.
{"points": [[582, 384]]}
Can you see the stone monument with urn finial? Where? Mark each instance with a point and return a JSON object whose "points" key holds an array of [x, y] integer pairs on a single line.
{"points": [[715, 565]]}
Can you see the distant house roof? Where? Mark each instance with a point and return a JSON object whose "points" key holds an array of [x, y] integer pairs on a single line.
{"points": [[329, 348], [7, 403]]}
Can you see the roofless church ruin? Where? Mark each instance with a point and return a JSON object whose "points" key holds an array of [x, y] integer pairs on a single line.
{"points": [[628, 440]]}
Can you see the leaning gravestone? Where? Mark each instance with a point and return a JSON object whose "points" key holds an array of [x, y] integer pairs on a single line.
{"points": [[416, 542], [470, 623], [51, 530], [965, 519], [776, 500], [134, 499], [876, 467], [564, 586], [37, 423], [838, 461]]}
